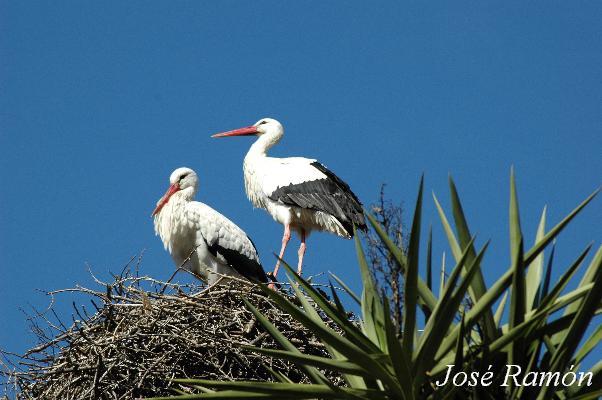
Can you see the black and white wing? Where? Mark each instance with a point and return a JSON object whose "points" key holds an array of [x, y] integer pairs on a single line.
{"points": [[226, 241], [311, 185]]}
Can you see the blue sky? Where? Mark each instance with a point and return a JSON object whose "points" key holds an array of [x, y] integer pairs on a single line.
{"points": [[100, 101]]}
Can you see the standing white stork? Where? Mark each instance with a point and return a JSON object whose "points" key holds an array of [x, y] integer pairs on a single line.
{"points": [[199, 238], [299, 193]]}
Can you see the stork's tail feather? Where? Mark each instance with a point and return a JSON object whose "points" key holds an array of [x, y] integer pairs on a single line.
{"points": [[358, 220], [362, 227], [274, 281]]}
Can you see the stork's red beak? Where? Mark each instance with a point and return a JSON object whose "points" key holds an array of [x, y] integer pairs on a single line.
{"points": [[249, 130], [172, 189]]}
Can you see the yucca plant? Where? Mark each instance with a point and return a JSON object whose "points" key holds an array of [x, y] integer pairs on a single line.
{"points": [[543, 334]]}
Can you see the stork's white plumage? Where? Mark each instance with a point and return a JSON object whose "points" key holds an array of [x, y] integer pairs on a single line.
{"points": [[199, 238], [300, 193]]}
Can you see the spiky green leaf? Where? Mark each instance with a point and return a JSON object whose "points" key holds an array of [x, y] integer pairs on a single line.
{"points": [[411, 278]]}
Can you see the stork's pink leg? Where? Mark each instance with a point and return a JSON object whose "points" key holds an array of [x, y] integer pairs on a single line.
{"points": [[285, 238], [301, 252]]}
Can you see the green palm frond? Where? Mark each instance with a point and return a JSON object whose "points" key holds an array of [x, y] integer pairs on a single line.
{"points": [[545, 328]]}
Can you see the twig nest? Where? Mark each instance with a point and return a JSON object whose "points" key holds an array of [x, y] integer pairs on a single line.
{"points": [[142, 336]]}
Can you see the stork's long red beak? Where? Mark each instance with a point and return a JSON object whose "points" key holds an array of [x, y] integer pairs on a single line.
{"points": [[172, 189], [246, 131]]}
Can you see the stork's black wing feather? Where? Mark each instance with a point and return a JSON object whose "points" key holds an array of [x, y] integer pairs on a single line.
{"points": [[330, 195], [245, 266]]}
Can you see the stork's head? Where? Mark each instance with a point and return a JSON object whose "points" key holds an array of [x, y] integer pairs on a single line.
{"points": [[268, 128], [183, 181]]}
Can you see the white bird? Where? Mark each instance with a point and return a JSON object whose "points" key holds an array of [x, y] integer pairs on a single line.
{"points": [[199, 238], [299, 193]]}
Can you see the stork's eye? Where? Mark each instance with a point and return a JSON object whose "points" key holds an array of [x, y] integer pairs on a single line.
{"points": [[183, 176], [263, 122]]}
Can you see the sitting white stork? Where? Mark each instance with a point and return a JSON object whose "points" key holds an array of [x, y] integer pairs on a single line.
{"points": [[298, 192], [199, 238]]}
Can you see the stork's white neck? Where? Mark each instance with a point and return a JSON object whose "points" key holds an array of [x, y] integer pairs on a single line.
{"points": [[263, 144], [186, 194], [252, 166]]}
